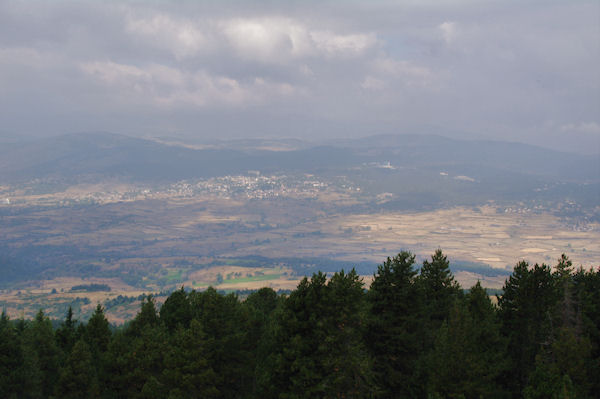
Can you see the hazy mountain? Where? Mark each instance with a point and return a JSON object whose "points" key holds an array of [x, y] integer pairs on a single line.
{"points": [[105, 155], [423, 150], [68, 232]]}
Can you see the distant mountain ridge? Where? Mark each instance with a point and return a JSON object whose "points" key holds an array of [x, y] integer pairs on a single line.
{"points": [[512, 156], [108, 155]]}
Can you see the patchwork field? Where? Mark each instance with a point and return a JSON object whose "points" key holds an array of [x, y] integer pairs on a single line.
{"points": [[122, 301], [156, 245], [477, 235]]}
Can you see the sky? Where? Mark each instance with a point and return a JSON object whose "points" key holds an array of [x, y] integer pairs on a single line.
{"points": [[524, 71]]}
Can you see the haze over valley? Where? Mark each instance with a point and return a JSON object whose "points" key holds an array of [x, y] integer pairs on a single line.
{"points": [[139, 216], [316, 199], [146, 146]]}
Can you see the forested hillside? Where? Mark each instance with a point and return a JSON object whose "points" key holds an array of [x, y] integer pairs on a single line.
{"points": [[415, 333]]}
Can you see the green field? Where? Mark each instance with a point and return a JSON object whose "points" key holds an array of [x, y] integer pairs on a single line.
{"points": [[264, 277]]}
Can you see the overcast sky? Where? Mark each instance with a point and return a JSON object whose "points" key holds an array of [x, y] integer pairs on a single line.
{"points": [[515, 70]]}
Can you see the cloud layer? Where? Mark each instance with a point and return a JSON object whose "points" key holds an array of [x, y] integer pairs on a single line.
{"points": [[520, 71]]}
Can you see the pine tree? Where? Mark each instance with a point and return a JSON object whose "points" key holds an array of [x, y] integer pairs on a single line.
{"points": [[525, 312], [176, 310], [395, 326], [566, 354], [586, 286], [187, 373], [319, 347], [41, 341], [78, 377], [136, 363], [146, 318], [468, 351], [118, 366], [11, 360], [264, 300], [225, 322], [261, 306], [451, 357], [439, 291], [296, 367], [97, 333], [439, 288], [348, 364], [30, 372], [66, 333], [556, 364], [489, 344]]}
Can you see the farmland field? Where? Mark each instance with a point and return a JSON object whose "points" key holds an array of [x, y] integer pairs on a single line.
{"points": [[149, 246], [135, 216]]}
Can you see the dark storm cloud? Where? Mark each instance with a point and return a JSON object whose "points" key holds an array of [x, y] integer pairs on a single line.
{"points": [[521, 71]]}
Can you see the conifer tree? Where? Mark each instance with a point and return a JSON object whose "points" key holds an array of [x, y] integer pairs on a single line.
{"points": [[31, 373], [468, 352], [176, 310], [394, 326], [146, 318], [348, 364], [489, 343], [187, 373], [261, 306], [565, 357], [439, 291], [296, 368], [41, 341], [97, 335], [586, 286], [319, 345], [566, 354], [450, 360], [136, 363], [439, 288], [11, 360], [117, 365], [525, 312], [66, 333], [225, 322], [97, 332], [78, 377]]}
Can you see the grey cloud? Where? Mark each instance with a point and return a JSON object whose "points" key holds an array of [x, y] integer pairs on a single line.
{"points": [[522, 71]]}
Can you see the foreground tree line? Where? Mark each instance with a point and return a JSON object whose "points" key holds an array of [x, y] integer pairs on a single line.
{"points": [[411, 335]]}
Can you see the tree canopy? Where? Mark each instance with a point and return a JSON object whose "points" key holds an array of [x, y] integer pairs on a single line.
{"points": [[410, 334]]}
